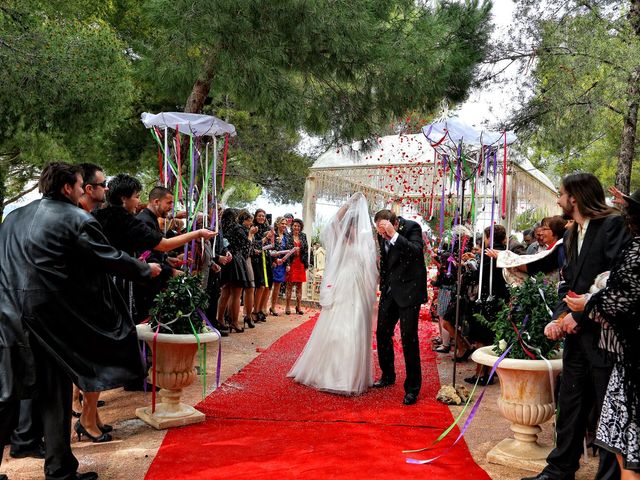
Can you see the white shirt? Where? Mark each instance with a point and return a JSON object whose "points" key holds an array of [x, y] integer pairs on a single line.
{"points": [[391, 241], [582, 231]]}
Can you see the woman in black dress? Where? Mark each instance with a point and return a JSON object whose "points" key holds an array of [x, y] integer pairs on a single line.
{"points": [[261, 263], [235, 276]]}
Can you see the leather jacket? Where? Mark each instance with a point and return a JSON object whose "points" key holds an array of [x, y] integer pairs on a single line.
{"points": [[55, 289]]}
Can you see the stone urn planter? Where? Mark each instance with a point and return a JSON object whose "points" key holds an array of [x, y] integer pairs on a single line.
{"points": [[526, 401], [175, 370]]}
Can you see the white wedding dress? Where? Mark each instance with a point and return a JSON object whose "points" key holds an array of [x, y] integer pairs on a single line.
{"points": [[337, 358]]}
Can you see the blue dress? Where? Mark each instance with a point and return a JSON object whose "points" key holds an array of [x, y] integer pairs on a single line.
{"points": [[279, 271]]}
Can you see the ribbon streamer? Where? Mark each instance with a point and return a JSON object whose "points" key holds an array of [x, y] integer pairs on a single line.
{"points": [[470, 418]]}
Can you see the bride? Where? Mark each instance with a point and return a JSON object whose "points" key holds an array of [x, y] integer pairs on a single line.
{"points": [[337, 357]]}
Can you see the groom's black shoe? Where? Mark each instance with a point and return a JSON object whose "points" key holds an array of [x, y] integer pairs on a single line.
{"points": [[383, 382], [410, 399]]}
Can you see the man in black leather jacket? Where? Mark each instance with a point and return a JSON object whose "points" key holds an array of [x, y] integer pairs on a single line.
{"points": [[61, 319]]}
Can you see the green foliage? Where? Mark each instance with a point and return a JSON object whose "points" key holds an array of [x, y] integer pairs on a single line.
{"points": [[529, 218], [175, 309], [65, 85], [263, 159], [76, 74], [341, 69], [526, 304], [585, 52]]}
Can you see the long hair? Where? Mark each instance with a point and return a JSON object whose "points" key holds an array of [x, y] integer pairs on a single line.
{"points": [[589, 195], [590, 200]]}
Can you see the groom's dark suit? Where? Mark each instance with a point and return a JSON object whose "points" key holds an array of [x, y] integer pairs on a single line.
{"points": [[403, 288]]}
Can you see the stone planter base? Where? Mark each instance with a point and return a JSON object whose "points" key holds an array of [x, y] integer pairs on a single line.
{"points": [[511, 452], [174, 371], [526, 401], [169, 415]]}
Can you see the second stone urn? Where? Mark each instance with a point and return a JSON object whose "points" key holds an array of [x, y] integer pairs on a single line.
{"points": [[526, 400], [174, 364]]}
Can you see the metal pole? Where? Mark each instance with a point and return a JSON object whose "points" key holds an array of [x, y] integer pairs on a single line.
{"points": [[459, 287]]}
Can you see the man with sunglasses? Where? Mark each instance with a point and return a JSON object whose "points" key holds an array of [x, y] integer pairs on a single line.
{"points": [[94, 187]]}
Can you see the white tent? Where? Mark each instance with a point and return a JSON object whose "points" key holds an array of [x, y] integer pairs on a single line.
{"points": [[402, 172]]}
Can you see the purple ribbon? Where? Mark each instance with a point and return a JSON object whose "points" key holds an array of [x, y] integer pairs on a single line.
{"points": [[472, 414]]}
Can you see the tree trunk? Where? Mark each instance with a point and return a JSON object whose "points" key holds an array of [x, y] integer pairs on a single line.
{"points": [[628, 140], [201, 87]]}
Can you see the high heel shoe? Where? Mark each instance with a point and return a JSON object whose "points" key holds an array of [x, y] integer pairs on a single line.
{"points": [[299, 311], [262, 318], [80, 430], [287, 312], [248, 322], [233, 328], [273, 313], [105, 428]]}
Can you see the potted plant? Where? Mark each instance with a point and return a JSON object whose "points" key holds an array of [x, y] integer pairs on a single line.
{"points": [[174, 333], [527, 374]]}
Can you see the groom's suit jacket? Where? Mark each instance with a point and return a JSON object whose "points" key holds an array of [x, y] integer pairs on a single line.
{"points": [[403, 274]]}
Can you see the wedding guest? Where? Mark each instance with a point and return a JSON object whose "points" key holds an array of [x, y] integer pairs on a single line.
{"points": [[537, 245], [245, 219], [297, 265], [61, 321], [85, 406], [220, 257], [591, 246], [617, 309], [261, 263], [278, 265], [493, 291], [234, 276], [289, 218]]}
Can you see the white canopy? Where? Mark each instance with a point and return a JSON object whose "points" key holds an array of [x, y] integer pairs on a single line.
{"points": [[189, 123], [457, 130]]}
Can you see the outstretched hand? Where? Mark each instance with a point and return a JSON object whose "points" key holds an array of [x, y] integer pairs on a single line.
{"points": [[206, 233], [618, 197]]}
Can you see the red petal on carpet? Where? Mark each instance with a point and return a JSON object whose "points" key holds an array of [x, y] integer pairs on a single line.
{"points": [[263, 425]]}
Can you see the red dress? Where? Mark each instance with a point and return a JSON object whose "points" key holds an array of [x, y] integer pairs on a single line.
{"points": [[297, 272]]}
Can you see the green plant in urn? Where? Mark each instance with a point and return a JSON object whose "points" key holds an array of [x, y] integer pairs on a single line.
{"points": [[176, 309], [528, 312]]}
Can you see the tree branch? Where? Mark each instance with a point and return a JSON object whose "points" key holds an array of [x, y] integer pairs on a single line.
{"points": [[19, 196]]}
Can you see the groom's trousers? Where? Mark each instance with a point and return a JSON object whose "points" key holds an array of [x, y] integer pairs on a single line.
{"points": [[389, 312]]}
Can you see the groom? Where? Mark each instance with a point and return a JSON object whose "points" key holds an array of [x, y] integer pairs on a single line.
{"points": [[403, 288]]}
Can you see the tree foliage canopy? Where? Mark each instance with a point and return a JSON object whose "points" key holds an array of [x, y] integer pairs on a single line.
{"points": [[342, 69], [583, 56], [77, 74]]}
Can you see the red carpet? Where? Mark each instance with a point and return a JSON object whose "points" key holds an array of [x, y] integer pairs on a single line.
{"points": [[262, 425]]}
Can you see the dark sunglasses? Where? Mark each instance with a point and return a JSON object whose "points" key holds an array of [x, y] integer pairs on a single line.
{"points": [[101, 184]]}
